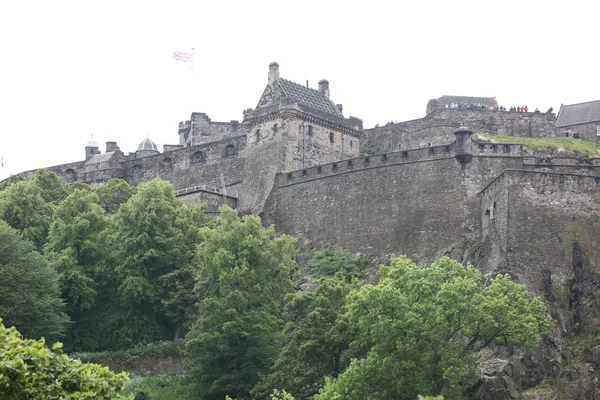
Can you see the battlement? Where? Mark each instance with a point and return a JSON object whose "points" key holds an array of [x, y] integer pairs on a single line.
{"points": [[365, 163]]}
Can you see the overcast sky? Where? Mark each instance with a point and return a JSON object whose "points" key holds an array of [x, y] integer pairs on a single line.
{"points": [[72, 69]]}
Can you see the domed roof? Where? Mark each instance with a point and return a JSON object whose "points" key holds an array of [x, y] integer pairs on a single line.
{"points": [[147, 144], [92, 143]]}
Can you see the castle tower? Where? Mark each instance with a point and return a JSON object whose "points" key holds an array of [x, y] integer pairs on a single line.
{"points": [[293, 127], [91, 148]]}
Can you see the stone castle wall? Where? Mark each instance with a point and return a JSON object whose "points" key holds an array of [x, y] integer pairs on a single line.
{"points": [[439, 126], [191, 166]]}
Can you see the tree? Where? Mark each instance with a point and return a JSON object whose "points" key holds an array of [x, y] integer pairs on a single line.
{"points": [[115, 193], [243, 273], [10, 180], [417, 329], [75, 248], [317, 337], [29, 370], [23, 208], [154, 237], [29, 293], [53, 190]]}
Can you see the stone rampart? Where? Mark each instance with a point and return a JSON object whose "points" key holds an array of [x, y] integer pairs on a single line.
{"points": [[439, 126], [191, 166]]}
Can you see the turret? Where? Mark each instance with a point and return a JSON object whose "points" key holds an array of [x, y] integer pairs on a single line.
{"points": [[91, 148], [464, 153]]}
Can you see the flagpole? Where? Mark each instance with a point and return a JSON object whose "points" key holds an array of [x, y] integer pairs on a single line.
{"points": [[193, 82]]}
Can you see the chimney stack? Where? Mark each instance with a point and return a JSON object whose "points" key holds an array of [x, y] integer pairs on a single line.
{"points": [[324, 87], [111, 146], [273, 72]]}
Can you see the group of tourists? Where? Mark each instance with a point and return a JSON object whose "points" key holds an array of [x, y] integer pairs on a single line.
{"points": [[487, 107]]}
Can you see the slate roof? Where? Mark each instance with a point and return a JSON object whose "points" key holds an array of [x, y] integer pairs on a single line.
{"points": [[308, 97], [575, 114], [490, 101], [99, 158]]}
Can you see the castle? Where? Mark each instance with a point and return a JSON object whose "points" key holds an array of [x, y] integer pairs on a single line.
{"points": [[425, 187]]}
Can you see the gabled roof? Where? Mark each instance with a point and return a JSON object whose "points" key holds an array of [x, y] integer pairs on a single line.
{"points": [[581, 113], [308, 97], [442, 101]]}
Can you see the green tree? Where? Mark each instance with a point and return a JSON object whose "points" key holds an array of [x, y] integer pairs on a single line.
{"points": [[12, 179], [75, 248], [243, 274], [53, 190], [115, 193], [317, 337], [29, 370], [29, 293], [23, 208], [154, 237], [418, 327]]}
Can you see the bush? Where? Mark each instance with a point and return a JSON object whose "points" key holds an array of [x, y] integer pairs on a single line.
{"points": [[30, 370]]}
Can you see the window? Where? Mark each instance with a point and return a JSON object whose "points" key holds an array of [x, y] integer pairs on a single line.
{"points": [[198, 157], [597, 130], [351, 144], [275, 128], [166, 163], [310, 130], [257, 134], [70, 175], [331, 138], [229, 151]]}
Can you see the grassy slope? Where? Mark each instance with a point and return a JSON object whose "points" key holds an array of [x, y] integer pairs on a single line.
{"points": [[569, 146]]}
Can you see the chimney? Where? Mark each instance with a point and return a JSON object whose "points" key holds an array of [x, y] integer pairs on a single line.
{"points": [[273, 72], [340, 107], [324, 87], [111, 146]]}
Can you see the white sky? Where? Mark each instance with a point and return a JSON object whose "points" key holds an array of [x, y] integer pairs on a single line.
{"points": [[70, 69]]}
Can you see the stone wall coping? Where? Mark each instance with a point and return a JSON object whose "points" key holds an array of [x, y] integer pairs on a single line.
{"points": [[232, 193], [527, 172]]}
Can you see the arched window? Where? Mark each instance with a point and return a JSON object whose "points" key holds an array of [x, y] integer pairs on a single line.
{"points": [[70, 175], [229, 151], [486, 219], [198, 157]]}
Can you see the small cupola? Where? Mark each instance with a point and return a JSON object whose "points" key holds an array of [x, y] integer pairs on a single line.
{"points": [[146, 148]]}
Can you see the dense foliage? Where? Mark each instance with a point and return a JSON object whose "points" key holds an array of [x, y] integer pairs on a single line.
{"points": [[30, 370], [29, 292]]}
